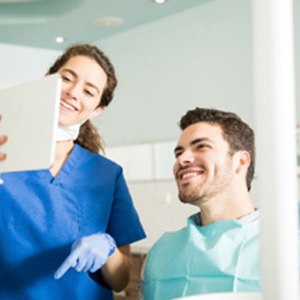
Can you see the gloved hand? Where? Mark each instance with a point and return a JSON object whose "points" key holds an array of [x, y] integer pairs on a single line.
{"points": [[89, 253]]}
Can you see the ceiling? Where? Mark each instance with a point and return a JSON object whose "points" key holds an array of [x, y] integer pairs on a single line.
{"points": [[37, 23]]}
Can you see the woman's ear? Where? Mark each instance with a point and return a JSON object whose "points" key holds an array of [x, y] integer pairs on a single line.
{"points": [[96, 112]]}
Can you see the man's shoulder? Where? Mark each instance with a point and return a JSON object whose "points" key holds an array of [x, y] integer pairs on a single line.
{"points": [[170, 240], [176, 235]]}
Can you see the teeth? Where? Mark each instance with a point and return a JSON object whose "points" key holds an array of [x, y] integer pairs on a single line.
{"points": [[188, 175], [68, 106]]}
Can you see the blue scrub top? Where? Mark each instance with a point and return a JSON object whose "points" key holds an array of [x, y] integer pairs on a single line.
{"points": [[41, 216]]}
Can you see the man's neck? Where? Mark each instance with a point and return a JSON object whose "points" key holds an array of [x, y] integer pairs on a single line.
{"points": [[221, 209]]}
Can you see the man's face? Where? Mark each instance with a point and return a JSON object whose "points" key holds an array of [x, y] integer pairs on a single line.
{"points": [[203, 168]]}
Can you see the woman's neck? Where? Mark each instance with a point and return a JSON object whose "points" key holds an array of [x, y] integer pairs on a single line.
{"points": [[62, 151]]}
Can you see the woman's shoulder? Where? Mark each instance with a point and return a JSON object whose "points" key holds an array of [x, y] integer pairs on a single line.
{"points": [[97, 158]]}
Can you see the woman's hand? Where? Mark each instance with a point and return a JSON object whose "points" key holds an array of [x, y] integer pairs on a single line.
{"points": [[3, 139], [89, 253]]}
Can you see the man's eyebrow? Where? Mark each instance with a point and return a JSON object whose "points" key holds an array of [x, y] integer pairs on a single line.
{"points": [[192, 143], [199, 140], [76, 76]]}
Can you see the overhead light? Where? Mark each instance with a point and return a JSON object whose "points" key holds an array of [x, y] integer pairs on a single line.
{"points": [[59, 39], [159, 1], [107, 21]]}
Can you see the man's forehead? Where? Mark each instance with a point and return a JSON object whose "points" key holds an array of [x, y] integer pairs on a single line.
{"points": [[201, 130]]}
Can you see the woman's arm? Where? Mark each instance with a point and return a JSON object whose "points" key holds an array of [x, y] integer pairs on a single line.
{"points": [[116, 272]]}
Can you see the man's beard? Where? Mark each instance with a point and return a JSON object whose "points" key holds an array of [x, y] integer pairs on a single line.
{"points": [[205, 191], [191, 197]]}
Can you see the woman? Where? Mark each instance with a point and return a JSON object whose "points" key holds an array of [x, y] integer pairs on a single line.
{"points": [[77, 216]]}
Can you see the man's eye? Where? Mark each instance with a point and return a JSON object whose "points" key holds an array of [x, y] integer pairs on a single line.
{"points": [[177, 154], [201, 146]]}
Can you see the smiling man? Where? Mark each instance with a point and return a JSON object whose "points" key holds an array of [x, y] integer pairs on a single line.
{"points": [[218, 250]]}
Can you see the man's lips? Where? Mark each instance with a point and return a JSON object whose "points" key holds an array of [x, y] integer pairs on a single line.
{"points": [[186, 174]]}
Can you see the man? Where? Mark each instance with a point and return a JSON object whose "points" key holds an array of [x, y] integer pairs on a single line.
{"points": [[218, 250]]}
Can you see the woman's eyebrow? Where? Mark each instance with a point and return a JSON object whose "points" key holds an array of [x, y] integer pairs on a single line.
{"points": [[69, 71]]}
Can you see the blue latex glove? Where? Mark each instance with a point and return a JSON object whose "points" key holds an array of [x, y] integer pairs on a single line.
{"points": [[89, 253]]}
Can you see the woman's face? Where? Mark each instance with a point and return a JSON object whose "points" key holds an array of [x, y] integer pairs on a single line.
{"points": [[83, 82]]}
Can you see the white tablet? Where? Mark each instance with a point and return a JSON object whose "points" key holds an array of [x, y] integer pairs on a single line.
{"points": [[29, 118]]}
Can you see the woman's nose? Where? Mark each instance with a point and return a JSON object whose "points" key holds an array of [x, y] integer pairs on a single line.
{"points": [[73, 91]]}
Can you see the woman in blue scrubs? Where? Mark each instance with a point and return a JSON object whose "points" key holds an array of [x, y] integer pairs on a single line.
{"points": [[65, 232]]}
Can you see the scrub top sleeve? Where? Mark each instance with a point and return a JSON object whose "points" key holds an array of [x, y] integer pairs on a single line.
{"points": [[124, 224]]}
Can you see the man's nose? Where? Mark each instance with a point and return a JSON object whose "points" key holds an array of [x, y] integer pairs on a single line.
{"points": [[185, 158]]}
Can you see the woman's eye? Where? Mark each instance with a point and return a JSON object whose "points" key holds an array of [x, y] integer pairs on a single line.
{"points": [[66, 78], [89, 93]]}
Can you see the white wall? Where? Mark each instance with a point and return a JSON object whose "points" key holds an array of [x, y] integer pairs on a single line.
{"points": [[201, 57], [20, 64]]}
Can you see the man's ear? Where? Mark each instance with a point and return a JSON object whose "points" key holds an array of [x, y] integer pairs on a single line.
{"points": [[96, 112], [241, 161]]}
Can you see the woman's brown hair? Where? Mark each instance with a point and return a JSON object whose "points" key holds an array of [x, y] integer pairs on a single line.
{"points": [[88, 136]]}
